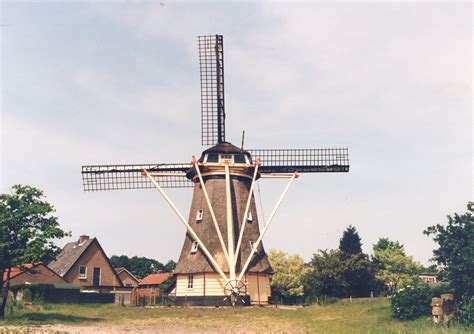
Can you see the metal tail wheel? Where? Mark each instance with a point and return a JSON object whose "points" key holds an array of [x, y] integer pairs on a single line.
{"points": [[234, 290]]}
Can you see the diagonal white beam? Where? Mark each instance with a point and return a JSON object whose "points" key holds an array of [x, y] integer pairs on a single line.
{"points": [[188, 227], [214, 220], [244, 219], [230, 223], [265, 227]]}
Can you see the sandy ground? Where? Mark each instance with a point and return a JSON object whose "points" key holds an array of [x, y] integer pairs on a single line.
{"points": [[120, 329]]}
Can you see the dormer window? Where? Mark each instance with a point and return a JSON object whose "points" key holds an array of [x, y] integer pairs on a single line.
{"points": [[199, 215], [249, 218], [194, 247]]}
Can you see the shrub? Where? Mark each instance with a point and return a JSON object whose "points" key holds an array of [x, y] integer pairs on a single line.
{"points": [[465, 314], [413, 302]]}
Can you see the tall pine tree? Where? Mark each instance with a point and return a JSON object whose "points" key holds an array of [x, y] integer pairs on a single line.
{"points": [[350, 242]]}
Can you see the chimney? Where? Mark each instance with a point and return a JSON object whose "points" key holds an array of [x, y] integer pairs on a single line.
{"points": [[83, 238]]}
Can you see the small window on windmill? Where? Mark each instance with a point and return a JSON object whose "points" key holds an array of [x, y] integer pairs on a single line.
{"points": [[239, 159], [252, 244], [226, 158], [199, 215], [249, 218], [190, 281], [212, 157], [194, 247]]}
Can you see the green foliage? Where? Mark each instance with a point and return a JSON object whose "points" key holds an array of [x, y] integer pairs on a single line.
{"points": [[393, 266], [141, 266], [37, 292], [465, 314], [456, 250], [325, 276], [359, 275], [350, 242], [287, 282], [412, 302], [385, 243], [27, 230]]}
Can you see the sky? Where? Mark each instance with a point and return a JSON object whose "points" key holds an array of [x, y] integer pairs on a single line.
{"points": [[118, 82]]}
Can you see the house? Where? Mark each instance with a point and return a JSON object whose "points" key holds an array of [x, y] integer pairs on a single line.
{"points": [[84, 263], [153, 281], [148, 291], [33, 273], [429, 278], [127, 277]]}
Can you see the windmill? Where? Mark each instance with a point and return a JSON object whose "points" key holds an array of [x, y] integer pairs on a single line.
{"points": [[222, 260]]}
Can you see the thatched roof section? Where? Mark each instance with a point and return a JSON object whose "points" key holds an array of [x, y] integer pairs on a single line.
{"points": [[197, 262]]}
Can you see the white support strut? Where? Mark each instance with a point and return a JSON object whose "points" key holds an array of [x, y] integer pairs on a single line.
{"points": [[190, 230], [211, 210], [265, 227], [230, 224], [246, 212]]}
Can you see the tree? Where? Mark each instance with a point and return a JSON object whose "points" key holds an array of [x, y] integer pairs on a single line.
{"points": [[385, 243], [287, 281], [141, 266], [27, 231], [393, 266], [326, 275], [455, 250], [170, 266], [350, 242], [358, 273]]}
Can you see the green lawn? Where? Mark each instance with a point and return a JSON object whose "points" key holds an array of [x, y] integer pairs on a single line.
{"points": [[360, 317]]}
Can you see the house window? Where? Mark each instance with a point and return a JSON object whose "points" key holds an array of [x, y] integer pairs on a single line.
{"points": [[82, 272], [199, 215], [249, 218], [194, 247], [252, 244], [190, 281]]}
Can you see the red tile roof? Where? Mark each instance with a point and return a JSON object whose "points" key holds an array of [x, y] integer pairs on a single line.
{"points": [[15, 271], [155, 278]]}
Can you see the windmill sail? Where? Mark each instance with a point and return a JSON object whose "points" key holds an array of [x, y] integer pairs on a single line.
{"points": [[302, 160], [211, 62], [117, 177]]}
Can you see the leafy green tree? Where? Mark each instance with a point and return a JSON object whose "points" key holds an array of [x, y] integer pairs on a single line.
{"points": [[27, 230], [287, 281], [350, 242], [325, 276], [141, 266], [169, 266], [456, 250], [393, 266], [385, 243]]}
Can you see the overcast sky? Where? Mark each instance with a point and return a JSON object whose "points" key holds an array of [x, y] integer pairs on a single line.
{"points": [[90, 83]]}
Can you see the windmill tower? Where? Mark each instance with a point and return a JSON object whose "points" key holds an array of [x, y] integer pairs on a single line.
{"points": [[222, 260]]}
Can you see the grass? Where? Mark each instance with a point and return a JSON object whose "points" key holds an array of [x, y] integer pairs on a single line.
{"points": [[361, 317]]}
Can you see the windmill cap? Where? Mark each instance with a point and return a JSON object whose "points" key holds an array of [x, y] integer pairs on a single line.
{"points": [[225, 148]]}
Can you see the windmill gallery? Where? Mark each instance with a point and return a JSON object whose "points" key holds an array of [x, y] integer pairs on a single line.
{"points": [[222, 260]]}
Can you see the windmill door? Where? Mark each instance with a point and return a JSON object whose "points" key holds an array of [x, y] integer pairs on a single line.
{"points": [[96, 277]]}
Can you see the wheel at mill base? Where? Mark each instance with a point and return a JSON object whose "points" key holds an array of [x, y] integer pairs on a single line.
{"points": [[234, 291]]}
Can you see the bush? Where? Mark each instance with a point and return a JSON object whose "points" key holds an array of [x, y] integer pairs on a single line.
{"points": [[413, 302], [465, 314], [34, 292]]}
